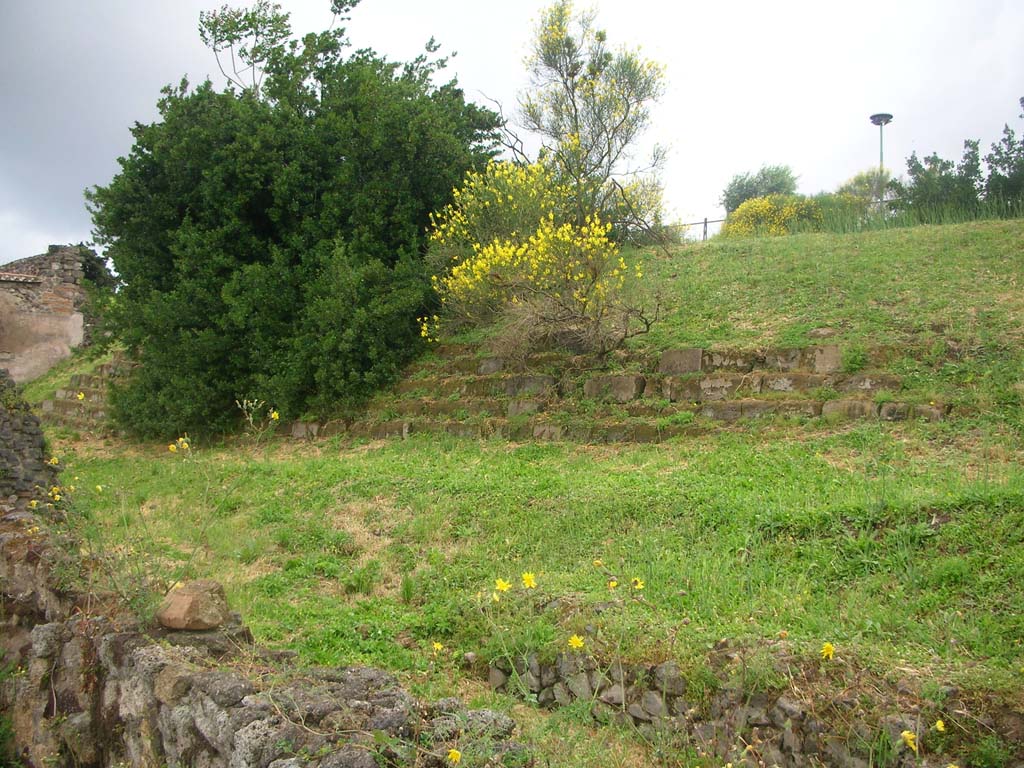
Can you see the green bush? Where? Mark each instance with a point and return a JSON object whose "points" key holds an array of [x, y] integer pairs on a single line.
{"points": [[271, 239]]}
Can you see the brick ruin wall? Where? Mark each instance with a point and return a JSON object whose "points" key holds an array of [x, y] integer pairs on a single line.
{"points": [[41, 317]]}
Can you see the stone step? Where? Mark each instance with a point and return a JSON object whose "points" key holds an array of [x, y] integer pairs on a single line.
{"points": [[92, 395], [821, 360], [517, 385], [724, 386], [88, 409], [562, 426]]}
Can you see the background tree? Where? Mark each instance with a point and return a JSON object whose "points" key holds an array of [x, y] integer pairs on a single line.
{"points": [[589, 104], [934, 183], [1006, 166], [867, 186], [769, 180], [271, 236]]}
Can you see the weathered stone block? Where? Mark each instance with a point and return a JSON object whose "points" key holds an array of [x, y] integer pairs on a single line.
{"points": [[894, 412], [490, 365], [869, 383], [731, 360], [730, 410], [195, 605], [826, 359], [682, 390], [618, 389], [679, 361], [517, 386], [725, 386], [793, 382], [929, 412], [849, 409]]}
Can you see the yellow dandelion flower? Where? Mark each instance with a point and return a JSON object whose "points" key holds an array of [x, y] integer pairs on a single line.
{"points": [[576, 642], [910, 740], [438, 647], [598, 563], [54, 461], [637, 583], [501, 585], [454, 756], [56, 497], [33, 504], [274, 415], [528, 580], [940, 726], [99, 489], [172, 448], [612, 583], [80, 395], [827, 651]]}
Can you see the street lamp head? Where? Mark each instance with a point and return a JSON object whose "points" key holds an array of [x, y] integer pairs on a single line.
{"points": [[882, 118]]}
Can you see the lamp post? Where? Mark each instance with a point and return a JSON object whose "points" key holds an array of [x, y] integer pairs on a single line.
{"points": [[882, 119]]}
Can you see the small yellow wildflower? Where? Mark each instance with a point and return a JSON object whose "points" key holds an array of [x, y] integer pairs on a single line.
{"points": [[80, 395], [454, 756], [71, 488], [54, 461], [56, 497], [529, 581], [612, 583], [827, 651], [33, 504], [910, 740], [637, 583], [99, 489], [501, 585], [940, 726], [172, 448], [438, 647], [576, 642], [274, 415], [598, 563]]}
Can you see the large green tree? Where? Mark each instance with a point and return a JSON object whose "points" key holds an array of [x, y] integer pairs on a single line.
{"points": [[270, 236]]}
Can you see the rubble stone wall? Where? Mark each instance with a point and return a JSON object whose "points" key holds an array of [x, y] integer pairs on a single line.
{"points": [[41, 317]]}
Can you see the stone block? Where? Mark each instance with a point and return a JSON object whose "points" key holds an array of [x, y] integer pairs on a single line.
{"points": [[195, 605], [524, 407], [669, 680], [618, 389], [678, 361], [682, 390], [894, 411], [793, 382], [725, 386], [929, 412], [826, 359], [849, 409], [731, 360], [517, 386], [869, 383], [547, 432], [784, 359], [729, 410], [490, 365]]}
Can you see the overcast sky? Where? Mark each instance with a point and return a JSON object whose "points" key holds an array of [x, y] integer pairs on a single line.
{"points": [[750, 83]]}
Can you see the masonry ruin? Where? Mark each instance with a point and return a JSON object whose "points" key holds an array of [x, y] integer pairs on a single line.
{"points": [[41, 317]]}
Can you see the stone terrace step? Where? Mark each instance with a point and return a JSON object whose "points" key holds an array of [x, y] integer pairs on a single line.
{"points": [[551, 427]]}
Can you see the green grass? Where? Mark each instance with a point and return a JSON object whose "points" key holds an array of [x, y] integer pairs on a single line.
{"points": [[902, 544]]}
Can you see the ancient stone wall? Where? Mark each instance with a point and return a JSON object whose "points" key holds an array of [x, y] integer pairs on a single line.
{"points": [[41, 318], [23, 464]]}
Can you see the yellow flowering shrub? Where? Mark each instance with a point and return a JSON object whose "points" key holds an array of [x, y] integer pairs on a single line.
{"points": [[773, 215], [511, 239]]}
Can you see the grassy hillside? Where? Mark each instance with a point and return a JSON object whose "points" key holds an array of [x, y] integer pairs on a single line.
{"points": [[902, 544]]}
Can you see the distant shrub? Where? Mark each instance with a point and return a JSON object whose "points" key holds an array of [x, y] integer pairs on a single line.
{"points": [[773, 215]]}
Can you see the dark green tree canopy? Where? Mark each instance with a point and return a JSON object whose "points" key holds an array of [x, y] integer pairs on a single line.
{"points": [[270, 236], [769, 180]]}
